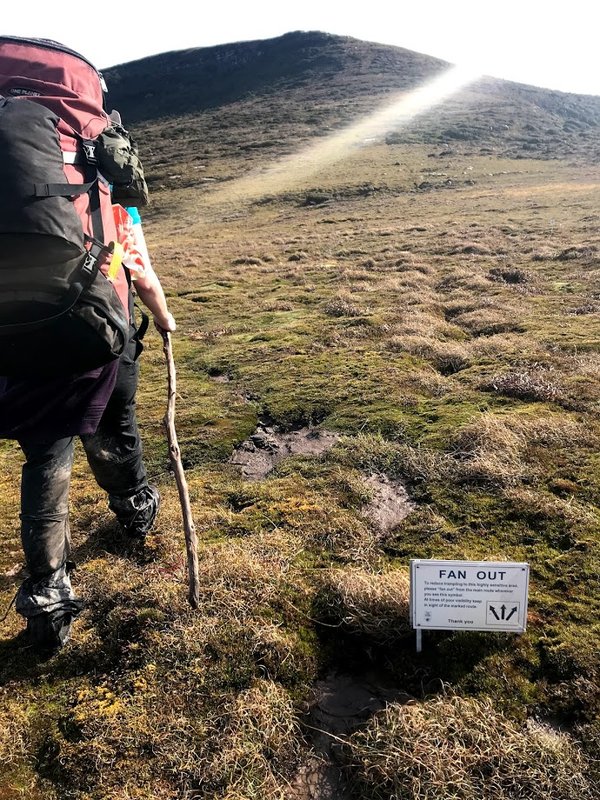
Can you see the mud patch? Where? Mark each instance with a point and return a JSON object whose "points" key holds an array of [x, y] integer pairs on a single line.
{"points": [[267, 446], [390, 504], [318, 780], [342, 704]]}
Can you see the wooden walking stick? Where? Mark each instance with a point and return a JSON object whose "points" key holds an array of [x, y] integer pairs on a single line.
{"points": [[191, 541]]}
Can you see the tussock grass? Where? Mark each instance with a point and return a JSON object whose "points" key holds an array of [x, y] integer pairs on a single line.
{"points": [[368, 604], [454, 748], [488, 450], [13, 743], [585, 367], [343, 306], [429, 383], [421, 323], [589, 735], [239, 579], [409, 262], [358, 275], [488, 321], [409, 295], [446, 356], [498, 448], [470, 280], [543, 254], [247, 260], [287, 506], [279, 305], [254, 745], [533, 383], [469, 248], [530, 503], [513, 276], [586, 308], [505, 346], [375, 454], [412, 279], [557, 430], [583, 252]]}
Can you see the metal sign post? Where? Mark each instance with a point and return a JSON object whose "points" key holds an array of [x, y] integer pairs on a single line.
{"points": [[419, 640]]}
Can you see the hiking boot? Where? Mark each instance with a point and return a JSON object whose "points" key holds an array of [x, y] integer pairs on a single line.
{"points": [[49, 631], [136, 514], [49, 607]]}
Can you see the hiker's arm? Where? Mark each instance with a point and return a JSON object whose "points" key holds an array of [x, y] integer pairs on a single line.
{"points": [[152, 296], [147, 285]]}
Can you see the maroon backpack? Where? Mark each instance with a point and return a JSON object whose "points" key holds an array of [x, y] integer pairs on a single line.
{"points": [[59, 312]]}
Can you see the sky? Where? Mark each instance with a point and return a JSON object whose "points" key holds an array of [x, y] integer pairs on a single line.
{"points": [[542, 42]]}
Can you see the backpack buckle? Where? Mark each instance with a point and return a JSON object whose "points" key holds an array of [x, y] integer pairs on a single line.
{"points": [[89, 265], [89, 151]]}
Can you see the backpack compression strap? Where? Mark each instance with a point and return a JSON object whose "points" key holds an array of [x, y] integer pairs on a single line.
{"points": [[72, 190], [61, 189], [88, 157]]}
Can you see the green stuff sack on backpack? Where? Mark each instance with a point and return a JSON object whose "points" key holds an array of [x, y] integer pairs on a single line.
{"points": [[59, 311], [118, 161]]}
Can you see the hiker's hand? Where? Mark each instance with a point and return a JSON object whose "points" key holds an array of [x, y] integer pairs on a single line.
{"points": [[165, 324]]}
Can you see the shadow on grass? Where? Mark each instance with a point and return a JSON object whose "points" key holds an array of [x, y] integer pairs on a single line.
{"points": [[19, 662], [109, 540], [447, 658], [8, 584]]}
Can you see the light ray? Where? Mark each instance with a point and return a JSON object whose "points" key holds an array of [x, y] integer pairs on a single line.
{"points": [[294, 169]]}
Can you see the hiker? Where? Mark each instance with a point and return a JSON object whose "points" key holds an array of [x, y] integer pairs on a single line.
{"points": [[44, 409], [113, 449]]}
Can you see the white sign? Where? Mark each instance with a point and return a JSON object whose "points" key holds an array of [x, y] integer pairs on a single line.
{"points": [[477, 595]]}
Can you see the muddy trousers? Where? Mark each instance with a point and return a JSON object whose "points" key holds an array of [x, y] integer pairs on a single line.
{"points": [[114, 454]]}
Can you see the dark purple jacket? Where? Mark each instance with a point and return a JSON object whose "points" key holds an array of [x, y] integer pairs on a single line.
{"points": [[54, 408]]}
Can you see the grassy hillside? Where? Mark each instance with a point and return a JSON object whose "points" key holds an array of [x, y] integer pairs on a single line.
{"points": [[429, 306], [303, 85]]}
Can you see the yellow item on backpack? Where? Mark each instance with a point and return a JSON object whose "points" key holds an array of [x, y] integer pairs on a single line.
{"points": [[116, 261]]}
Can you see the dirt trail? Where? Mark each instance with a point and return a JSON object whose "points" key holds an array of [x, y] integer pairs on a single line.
{"points": [[343, 702]]}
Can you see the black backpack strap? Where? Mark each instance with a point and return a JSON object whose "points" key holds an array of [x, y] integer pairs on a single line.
{"points": [[62, 189], [89, 152], [141, 331], [96, 212]]}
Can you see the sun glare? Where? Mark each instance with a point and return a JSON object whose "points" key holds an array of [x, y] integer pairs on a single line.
{"points": [[292, 170]]}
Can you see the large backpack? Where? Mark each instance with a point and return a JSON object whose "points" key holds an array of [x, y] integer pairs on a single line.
{"points": [[64, 297]]}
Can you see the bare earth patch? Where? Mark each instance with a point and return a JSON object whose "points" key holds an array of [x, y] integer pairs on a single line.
{"points": [[342, 703], [390, 504], [259, 454]]}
